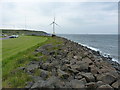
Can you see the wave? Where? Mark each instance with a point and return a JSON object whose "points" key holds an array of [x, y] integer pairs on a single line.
{"points": [[104, 54], [95, 49]]}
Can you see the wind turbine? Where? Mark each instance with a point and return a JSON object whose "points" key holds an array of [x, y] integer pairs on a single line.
{"points": [[54, 23]]}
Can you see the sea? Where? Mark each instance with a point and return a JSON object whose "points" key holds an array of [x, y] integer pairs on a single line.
{"points": [[107, 44]]}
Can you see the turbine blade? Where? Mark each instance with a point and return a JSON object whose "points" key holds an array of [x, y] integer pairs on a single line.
{"points": [[51, 23], [54, 19], [57, 25]]}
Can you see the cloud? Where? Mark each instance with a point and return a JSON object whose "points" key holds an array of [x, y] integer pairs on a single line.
{"points": [[82, 17]]}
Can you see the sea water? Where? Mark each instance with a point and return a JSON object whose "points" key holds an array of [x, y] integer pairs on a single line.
{"points": [[106, 44]]}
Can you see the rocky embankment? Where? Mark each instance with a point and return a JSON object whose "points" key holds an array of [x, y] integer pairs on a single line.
{"points": [[70, 65]]}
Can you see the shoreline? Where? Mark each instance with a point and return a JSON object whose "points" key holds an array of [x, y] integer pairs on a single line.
{"points": [[108, 56], [62, 63], [72, 65], [96, 49], [103, 54]]}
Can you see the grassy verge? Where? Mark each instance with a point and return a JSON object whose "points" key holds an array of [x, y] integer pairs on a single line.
{"points": [[15, 45], [14, 78]]}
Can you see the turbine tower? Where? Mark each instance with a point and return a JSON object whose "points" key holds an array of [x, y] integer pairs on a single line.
{"points": [[53, 24]]}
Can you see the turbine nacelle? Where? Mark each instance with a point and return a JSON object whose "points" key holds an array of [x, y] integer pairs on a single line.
{"points": [[53, 23]]}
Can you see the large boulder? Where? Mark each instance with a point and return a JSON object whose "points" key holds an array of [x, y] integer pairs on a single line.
{"points": [[62, 74], [89, 77], [32, 67], [77, 57], [116, 84], [77, 84], [106, 78], [39, 84], [47, 66], [93, 69], [99, 83], [83, 80], [36, 78], [91, 85], [73, 71], [52, 82], [29, 85], [44, 74], [105, 87], [78, 77], [55, 82], [87, 60], [82, 66], [66, 67]]}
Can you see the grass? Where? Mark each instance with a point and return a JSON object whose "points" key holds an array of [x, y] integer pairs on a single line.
{"points": [[14, 45], [12, 77]]}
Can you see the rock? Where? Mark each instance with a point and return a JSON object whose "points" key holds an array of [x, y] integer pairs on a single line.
{"points": [[99, 83], [55, 63], [116, 84], [72, 62], [105, 87], [51, 52], [83, 80], [46, 66], [36, 78], [70, 65], [78, 77], [33, 62], [92, 85], [87, 60], [62, 74], [54, 72], [52, 82], [82, 66], [85, 53], [75, 57], [21, 68], [44, 74], [41, 84], [77, 84], [47, 46], [71, 77], [73, 71], [32, 67], [66, 67], [55, 82], [106, 78], [89, 77], [29, 85], [70, 55], [93, 69], [66, 61]]}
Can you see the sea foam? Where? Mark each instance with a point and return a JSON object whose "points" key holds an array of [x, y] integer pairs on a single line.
{"points": [[96, 49]]}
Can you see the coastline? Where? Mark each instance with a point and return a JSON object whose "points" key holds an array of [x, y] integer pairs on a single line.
{"points": [[111, 60], [62, 63], [102, 52], [72, 65]]}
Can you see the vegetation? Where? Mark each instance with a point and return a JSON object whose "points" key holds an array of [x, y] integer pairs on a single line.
{"points": [[14, 45], [14, 77], [22, 32]]}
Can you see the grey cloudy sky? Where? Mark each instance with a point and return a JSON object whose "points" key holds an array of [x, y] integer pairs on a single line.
{"points": [[73, 17]]}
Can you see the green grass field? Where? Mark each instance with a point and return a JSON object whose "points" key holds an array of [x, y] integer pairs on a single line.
{"points": [[13, 46], [17, 52]]}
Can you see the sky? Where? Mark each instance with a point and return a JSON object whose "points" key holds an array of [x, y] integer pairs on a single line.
{"points": [[72, 17]]}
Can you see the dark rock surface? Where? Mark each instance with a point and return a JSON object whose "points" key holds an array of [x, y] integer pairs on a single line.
{"points": [[72, 65]]}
